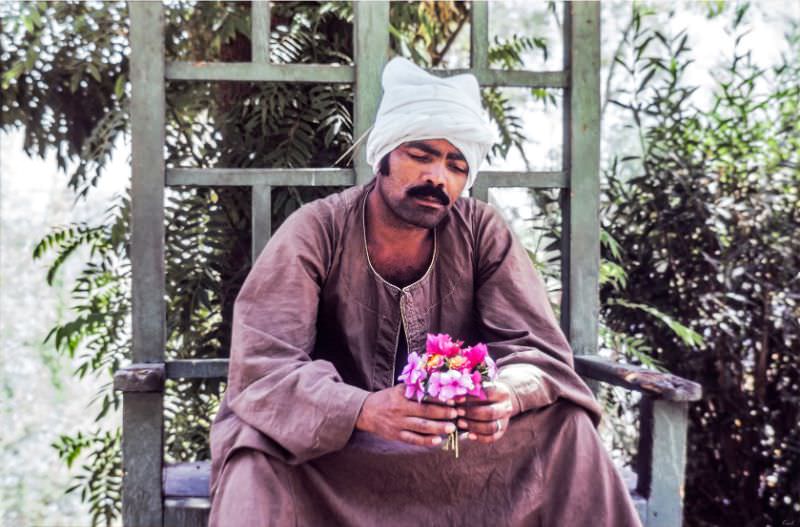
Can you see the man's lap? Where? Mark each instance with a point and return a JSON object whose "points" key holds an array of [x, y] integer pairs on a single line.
{"points": [[543, 462]]}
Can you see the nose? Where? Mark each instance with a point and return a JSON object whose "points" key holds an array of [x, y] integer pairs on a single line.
{"points": [[437, 174]]}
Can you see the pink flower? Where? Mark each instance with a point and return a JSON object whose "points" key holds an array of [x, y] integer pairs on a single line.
{"points": [[414, 376], [442, 344], [476, 354], [449, 384]]}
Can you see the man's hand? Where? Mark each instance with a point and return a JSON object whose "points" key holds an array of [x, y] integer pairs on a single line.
{"points": [[487, 420], [390, 415]]}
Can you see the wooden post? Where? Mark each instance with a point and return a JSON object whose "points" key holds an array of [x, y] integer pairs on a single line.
{"points": [[580, 259], [261, 195], [371, 47], [661, 459], [142, 418], [261, 218]]}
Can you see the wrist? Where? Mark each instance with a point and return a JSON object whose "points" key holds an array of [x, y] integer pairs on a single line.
{"points": [[516, 405], [362, 422]]}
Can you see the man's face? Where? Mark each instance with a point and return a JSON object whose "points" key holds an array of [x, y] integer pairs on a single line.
{"points": [[424, 180]]}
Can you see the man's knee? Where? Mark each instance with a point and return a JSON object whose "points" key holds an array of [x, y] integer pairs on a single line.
{"points": [[252, 490]]}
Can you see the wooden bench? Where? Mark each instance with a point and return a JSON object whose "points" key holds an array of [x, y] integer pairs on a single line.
{"points": [[656, 486], [154, 494]]}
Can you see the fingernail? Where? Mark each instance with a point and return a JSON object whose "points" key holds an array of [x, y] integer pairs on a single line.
{"points": [[450, 428], [451, 403], [472, 436], [453, 414], [462, 412], [462, 423], [437, 440]]}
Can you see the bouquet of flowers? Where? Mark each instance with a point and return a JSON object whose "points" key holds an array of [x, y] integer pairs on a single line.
{"points": [[448, 370]]}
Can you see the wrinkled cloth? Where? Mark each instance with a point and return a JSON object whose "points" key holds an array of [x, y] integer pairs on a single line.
{"points": [[315, 330], [417, 106], [549, 470]]}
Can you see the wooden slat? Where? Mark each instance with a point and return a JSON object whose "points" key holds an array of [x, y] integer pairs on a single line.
{"points": [[257, 72], [142, 415], [246, 177], [186, 512], [653, 383], [342, 177], [580, 206], [518, 78], [187, 480], [371, 48], [511, 179], [259, 32], [261, 218], [197, 369], [326, 73]]}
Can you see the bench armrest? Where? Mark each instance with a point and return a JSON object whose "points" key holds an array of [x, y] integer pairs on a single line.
{"points": [[652, 383], [145, 377]]}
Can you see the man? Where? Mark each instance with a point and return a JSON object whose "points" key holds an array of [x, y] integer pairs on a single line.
{"points": [[313, 429]]}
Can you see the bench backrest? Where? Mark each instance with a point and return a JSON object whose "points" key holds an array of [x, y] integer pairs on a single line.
{"points": [[577, 180]]}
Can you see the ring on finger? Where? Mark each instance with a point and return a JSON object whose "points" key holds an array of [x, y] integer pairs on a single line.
{"points": [[499, 424]]}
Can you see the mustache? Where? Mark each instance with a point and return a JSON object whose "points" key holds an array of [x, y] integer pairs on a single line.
{"points": [[429, 191]]}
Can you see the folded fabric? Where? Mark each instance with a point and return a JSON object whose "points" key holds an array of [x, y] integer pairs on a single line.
{"points": [[417, 106]]}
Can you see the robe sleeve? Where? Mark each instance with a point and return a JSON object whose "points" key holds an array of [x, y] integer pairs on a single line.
{"points": [[518, 324], [274, 386]]}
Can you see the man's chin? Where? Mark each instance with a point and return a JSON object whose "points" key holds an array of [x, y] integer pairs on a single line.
{"points": [[428, 219]]}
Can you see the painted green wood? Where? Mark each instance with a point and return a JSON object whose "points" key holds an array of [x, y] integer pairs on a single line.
{"points": [[258, 72], [507, 179], [197, 368], [259, 32], [479, 37], [513, 79], [246, 177], [189, 512], [662, 447], [580, 305], [261, 218], [341, 177], [142, 459], [327, 73], [147, 185], [371, 52], [142, 416]]}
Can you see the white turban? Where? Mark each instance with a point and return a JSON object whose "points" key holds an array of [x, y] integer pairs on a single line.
{"points": [[417, 106]]}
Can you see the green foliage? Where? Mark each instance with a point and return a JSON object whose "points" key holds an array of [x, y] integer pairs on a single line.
{"points": [[708, 219], [101, 477], [47, 80]]}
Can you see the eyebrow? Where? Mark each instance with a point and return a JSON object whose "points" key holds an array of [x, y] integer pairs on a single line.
{"points": [[419, 145]]}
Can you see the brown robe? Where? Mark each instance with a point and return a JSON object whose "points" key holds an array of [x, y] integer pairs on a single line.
{"points": [[315, 330]]}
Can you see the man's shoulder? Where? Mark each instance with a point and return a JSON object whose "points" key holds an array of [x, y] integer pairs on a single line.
{"points": [[329, 211], [475, 214]]}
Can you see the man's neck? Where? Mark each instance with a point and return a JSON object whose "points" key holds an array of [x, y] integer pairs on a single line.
{"points": [[399, 252]]}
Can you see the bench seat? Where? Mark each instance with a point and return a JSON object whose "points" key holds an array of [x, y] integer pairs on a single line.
{"points": [[186, 489]]}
